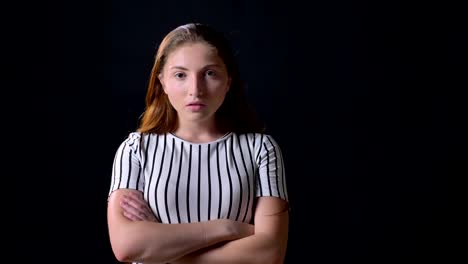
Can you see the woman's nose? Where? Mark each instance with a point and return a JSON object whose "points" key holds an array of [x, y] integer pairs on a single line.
{"points": [[196, 87]]}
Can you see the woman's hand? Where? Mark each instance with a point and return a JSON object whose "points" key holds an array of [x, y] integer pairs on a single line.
{"points": [[135, 208]]}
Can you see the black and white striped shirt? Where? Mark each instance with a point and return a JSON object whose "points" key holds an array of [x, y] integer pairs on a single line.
{"points": [[187, 182]]}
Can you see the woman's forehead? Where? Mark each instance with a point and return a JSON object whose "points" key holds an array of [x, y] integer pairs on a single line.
{"points": [[193, 54]]}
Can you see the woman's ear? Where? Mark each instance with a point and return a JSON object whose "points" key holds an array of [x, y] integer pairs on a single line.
{"points": [[160, 78], [229, 84]]}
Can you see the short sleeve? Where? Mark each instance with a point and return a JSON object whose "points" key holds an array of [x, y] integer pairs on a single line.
{"points": [[271, 178], [127, 170]]}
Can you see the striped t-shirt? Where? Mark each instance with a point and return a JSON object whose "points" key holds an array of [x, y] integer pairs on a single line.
{"points": [[187, 182]]}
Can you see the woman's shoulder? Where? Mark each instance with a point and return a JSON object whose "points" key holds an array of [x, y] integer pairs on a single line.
{"points": [[131, 140], [256, 135], [133, 137], [137, 135], [259, 139], [136, 140]]}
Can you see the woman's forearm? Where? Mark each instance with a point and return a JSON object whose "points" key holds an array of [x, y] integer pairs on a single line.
{"points": [[154, 242], [146, 241], [256, 249], [266, 246]]}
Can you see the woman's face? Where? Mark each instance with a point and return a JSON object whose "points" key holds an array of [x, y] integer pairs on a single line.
{"points": [[196, 81]]}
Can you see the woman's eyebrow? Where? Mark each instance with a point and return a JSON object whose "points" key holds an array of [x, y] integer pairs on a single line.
{"points": [[206, 66], [213, 65], [178, 68]]}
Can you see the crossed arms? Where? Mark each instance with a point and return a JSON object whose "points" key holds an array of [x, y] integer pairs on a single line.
{"points": [[134, 237]]}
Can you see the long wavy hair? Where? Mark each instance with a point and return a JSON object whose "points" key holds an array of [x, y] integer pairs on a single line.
{"points": [[234, 115]]}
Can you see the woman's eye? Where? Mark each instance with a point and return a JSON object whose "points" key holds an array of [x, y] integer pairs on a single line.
{"points": [[179, 75], [211, 73]]}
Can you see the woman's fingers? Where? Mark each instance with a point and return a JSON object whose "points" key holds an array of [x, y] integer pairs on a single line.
{"points": [[136, 209], [131, 216], [135, 203], [131, 211]]}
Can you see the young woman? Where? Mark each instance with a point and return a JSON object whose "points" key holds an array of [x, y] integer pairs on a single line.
{"points": [[199, 181]]}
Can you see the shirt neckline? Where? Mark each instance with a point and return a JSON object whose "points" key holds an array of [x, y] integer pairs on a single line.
{"points": [[224, 137]]}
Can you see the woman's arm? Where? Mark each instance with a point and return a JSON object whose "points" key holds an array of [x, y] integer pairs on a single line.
{"points": [[266, 246], [153, 242]]}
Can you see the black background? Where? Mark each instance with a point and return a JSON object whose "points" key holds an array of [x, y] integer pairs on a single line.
{"points": [[365, 99]]}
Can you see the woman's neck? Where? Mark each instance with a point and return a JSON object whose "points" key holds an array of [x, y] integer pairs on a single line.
{"points": [[198, 133]]}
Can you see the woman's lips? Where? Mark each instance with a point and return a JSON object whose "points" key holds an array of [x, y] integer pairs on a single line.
{"points": [[196, 106]]}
